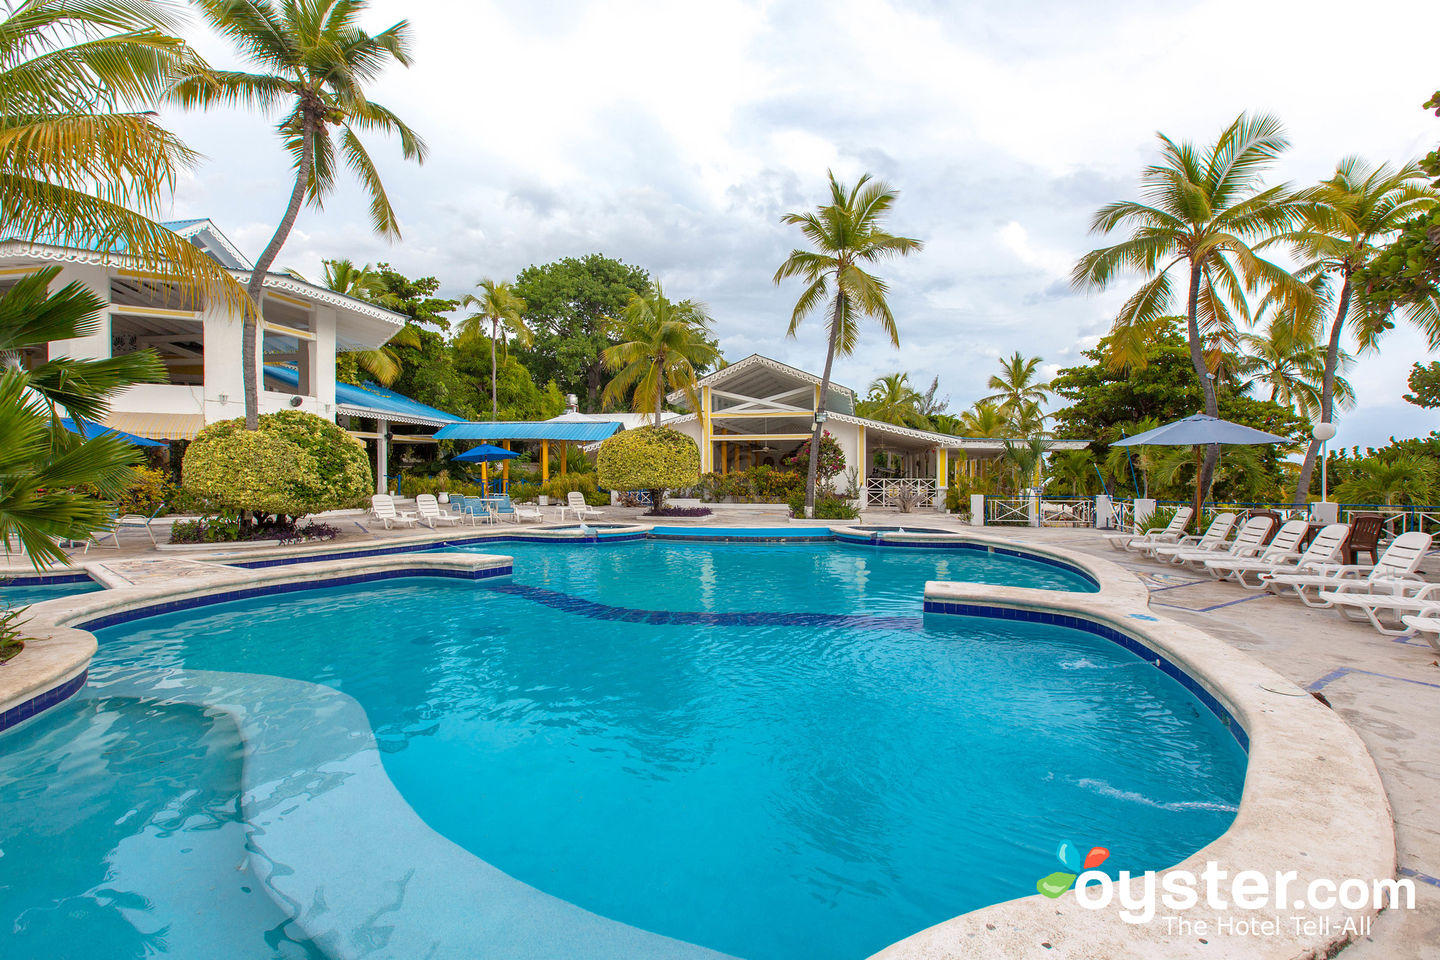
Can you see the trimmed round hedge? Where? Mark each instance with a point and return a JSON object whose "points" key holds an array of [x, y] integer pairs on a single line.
{"points": [[648, 458], [296, 463]]}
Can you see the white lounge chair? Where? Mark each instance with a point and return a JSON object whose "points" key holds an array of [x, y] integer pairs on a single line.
{"points": [[1425, 623], [575, 503], [528, 511], [1212, 539], [430, 513], [1169, 533], [1249, 542], [1399, 561], [382, 505], [1383, 599], [1282, 551]]}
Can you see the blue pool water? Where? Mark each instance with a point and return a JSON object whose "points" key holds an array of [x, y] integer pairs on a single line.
{"points": [[778, 757], [18, 594]]}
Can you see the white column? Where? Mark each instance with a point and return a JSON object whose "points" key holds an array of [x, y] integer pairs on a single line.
{"points": [[1324, 512], [977, 509], [382, 455], [95, 346], [324, 358], [1144, 510], [1104, 512]]}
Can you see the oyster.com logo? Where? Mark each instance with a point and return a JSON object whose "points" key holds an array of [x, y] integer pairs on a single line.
{"points": [[1069, 856]]}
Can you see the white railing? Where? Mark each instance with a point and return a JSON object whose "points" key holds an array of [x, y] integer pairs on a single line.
{"points": [[1067, 512], [1398, 520], [1007, 510], [890, 491]]}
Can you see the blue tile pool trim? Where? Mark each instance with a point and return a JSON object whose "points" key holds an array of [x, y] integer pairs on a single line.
{"points": [[24, 711], [245, 593], [601, 611], [41, 579], [1107, 633], [698, 538], [877, 541]]}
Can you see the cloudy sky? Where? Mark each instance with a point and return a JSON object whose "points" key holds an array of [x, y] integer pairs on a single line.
{"points": [[674, 135]]}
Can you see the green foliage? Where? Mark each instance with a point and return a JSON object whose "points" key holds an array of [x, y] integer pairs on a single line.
{"points": [[568, 304], [1400, 479], [648, 458], [664, 346], [296, 463], [1425, 381], [758, 484], [11, 642], [1405, 272], [827, 507], [559, 487], [150, 489], [832, 460]]}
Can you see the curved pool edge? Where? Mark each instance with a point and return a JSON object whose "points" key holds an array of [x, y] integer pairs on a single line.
{"points": [[1313, 801]]}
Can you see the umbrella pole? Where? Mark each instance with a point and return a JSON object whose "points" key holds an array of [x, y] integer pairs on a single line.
{"points": [[1199, 501]]}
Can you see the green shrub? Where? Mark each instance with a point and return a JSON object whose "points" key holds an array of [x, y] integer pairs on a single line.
{"points": [[150, 489], [523, 492], [832, 460], [648, 458], [759, 484], [11, 642], [826, 507], [295, 463]]}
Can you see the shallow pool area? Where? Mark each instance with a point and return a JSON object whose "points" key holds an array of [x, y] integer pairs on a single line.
{"points": [[20, 591], [764, 749]]}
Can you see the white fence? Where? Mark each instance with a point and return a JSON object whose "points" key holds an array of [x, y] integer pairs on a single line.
{"points": [[890, 492]]}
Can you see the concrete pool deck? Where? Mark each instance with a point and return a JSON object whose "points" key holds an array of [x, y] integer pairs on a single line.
{"points": [[1387, 691]]}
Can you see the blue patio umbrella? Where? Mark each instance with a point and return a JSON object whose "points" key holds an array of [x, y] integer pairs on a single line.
{"points": [[485, 453], [96, 430], [1200, 431]]}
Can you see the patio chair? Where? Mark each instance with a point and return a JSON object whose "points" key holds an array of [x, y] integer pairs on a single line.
{"points": [[137, 520], [1425, 623], [1399, 561], [1365, 533], [1383, 599], [528, 511], [382, 505], [1249, 542], [430, 513], [1211, 539], [1169, 533], [503, 510], [1280, 551], [1275, 521], [575, 503]]}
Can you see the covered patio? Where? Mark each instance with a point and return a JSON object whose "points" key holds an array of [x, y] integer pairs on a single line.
{"points": [[554, 437]]}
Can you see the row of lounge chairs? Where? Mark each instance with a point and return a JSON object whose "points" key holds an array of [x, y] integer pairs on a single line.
{"points": [[1389, 593], [474, 509]]}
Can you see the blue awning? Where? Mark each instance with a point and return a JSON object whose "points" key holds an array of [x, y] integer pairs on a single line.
{"points": [[485, 453], [97, 429], [571, 432], [371, 400]]}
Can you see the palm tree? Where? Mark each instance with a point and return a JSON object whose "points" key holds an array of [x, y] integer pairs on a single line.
{"points": [[1405, 479], [1015, 385], [342, 276], [82, 159], [891, 399], [501, 306], [845, 236], [1345, 225], [316, 62], [985, 420], [41, 463], [662, 346], [1205, 209], [1289, 361], [1026, 456], [363, 283]]}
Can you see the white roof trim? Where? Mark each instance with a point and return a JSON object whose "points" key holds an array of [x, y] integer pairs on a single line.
{"points": [[373, 413], [208, 226], [756, 360], [926, 436]]}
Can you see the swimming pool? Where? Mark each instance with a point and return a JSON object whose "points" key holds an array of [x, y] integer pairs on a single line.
{"points": [[763, 749], [18, 592]]}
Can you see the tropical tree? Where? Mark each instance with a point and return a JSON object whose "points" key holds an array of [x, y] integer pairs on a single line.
{"points": [[1290, 362], [845, 236], [1204, 210], [1025, 457], [82, 159], [891, 399], [662, 347], [44, 466], [1074, 469], [1346, 223], [315, 63], [1016, 386], [1408, 478], [499, 305], [985, 420], [342, 276]]}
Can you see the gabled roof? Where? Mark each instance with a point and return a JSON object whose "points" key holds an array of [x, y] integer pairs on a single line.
{"points": [[372, 400], [755, 362], [205, 235]]}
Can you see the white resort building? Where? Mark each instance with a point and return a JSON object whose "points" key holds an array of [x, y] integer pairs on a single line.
{"points": [[760, 411], [304, 327]]}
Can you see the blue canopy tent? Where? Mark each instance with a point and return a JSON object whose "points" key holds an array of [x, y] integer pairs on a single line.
{"points": [[1200, 431], [96, 429]]}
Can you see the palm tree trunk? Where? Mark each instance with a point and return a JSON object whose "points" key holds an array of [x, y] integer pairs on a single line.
{"points": [[1206, 470], [1327, 393], [818, 427], [256, 286], [659, 390], [494, 381]]}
